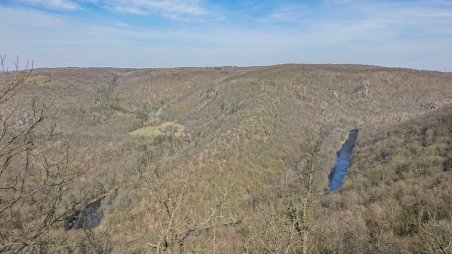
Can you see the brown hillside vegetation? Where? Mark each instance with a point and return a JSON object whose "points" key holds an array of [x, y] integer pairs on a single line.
{"points": [[233, 160], [398, 194]]}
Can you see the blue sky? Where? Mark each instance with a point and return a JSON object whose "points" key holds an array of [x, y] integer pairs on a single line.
{"points": [[158, 33]]}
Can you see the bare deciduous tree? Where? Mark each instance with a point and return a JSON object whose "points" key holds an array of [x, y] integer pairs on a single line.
{"points": [[299, 207], [288, 221], [2, 61], [174, 228], [33, 183], [16, 63], [436, 235]]}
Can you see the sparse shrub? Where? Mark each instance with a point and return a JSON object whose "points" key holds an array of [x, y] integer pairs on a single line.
{"points": [[447, 164], [143, 112], [142, 147], [160, 139], [376, 177], [383, 155], [234, 108], [402, 224], [116, 107]]}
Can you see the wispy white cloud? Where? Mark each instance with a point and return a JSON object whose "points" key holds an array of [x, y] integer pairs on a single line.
{"points": [[54, 4], [287, 13], [382, 33], [174, 9], [168, 8]]}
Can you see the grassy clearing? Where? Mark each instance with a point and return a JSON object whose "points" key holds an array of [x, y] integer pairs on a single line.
{"points": [[146, 132]]}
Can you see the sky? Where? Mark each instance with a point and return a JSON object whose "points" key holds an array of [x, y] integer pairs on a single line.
{"points": [[173, 33]]}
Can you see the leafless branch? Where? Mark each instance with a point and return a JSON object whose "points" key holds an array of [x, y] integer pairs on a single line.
{"points": [[2, 61], [16, 63]]}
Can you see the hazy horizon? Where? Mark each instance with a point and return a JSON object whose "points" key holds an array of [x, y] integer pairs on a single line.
{"points": [[24, 61], [175, 33]]}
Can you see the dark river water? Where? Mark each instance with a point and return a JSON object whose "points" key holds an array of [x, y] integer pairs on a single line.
{"points": [[90, 217], [343, 161]]}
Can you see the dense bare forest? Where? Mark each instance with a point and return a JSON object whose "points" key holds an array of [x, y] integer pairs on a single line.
{"points": [[224, 160]]}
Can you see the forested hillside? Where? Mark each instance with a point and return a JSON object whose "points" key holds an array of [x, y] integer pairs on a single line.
{"points": [[225, 159]]}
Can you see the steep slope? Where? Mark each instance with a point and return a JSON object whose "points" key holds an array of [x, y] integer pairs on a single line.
{"points": [[397, 196], [245, 130]]}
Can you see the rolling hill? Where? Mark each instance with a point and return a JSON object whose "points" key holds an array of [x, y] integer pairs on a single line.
{"points": [[199, 159]]}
